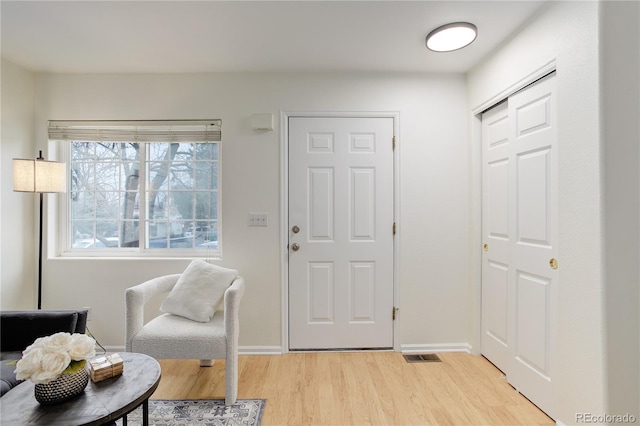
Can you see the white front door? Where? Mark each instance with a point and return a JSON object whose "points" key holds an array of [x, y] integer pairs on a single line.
{"points": [[340, 232], [520, 236]]}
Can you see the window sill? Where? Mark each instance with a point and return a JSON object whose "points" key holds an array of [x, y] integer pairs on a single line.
{"points": [[136, 254]]}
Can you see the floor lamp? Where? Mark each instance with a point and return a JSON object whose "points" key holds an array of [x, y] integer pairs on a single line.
{"points": [[39, 176]]}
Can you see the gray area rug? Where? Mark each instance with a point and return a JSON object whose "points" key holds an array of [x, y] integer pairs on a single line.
{"points": [[209, 412]]}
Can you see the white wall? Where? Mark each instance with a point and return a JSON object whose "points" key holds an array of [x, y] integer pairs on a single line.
{"points": [[620, 50], [567, 32], [19, 233], [434, 195]]}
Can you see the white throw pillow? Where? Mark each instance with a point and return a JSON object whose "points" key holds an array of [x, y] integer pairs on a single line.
{"points": [[198, 291]]}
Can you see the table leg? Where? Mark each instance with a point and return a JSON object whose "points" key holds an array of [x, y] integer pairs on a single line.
{"points": [[124, 420], [145, 413]]}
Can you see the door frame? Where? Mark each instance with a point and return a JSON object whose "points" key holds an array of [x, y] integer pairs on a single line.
{"points": [[284, 209]]}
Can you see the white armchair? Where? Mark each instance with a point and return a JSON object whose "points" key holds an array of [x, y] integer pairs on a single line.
{"points": [[170, 336]]}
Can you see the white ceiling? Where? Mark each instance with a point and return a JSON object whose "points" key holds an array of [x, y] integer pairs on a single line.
{"points": [[205, 36]]}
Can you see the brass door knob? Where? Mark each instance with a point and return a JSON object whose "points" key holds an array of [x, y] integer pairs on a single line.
{"points": [[553, 263], [295, 246], [485, 247]]}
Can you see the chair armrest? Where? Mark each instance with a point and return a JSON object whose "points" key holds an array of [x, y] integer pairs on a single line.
{"points": [[232, 297], [135, 299]]}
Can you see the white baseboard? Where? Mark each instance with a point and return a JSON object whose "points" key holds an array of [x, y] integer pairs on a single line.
{"points": [[435, 348], [405, 349], [260, 350], [242, 350], [110, 349]]}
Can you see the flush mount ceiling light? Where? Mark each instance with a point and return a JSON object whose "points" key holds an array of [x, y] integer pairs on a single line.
{"points": [[449, 37]]}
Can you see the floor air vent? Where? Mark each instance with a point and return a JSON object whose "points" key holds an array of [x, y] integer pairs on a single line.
{"points": [[422, 358]]}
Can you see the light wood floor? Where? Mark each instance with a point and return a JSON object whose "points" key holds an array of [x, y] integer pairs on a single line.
{"points": [[365, 388]]}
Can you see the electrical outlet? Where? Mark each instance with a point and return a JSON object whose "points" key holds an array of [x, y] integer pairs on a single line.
{"points": [[258, 219], [89, 313]]}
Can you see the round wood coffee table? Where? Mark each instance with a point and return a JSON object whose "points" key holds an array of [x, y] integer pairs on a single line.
{"points": [[100, 403]]}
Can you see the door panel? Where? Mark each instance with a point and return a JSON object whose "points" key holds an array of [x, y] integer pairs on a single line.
{"points": [[496, 287], [497, 196], [341, 199], [362, 208], [321, 290], [495, 228], [362, 292], [321, 198], [535, 205], [533, 170], [532, 325]]}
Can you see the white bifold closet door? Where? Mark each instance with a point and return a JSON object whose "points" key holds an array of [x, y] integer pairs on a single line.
{"points": [[520, 241]]}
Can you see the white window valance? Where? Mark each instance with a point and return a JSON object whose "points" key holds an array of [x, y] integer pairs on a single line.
{"points": [[137, 131]]}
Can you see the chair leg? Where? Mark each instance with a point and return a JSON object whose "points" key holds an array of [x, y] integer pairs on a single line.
{"points": [[207, 362], [231, 379]]}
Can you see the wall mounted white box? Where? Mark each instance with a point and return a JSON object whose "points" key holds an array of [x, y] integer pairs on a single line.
{"points": [[262, 121]]}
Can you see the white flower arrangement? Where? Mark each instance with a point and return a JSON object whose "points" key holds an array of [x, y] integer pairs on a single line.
{"points": [[50, 357]]}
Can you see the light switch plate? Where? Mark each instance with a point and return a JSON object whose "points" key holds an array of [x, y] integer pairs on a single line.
{"points": [[258, 219]]}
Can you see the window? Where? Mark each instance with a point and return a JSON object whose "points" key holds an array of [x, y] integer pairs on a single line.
{"points": [[142, 186]]}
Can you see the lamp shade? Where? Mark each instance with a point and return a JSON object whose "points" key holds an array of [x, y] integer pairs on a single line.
{"points": [[39, 176]]}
